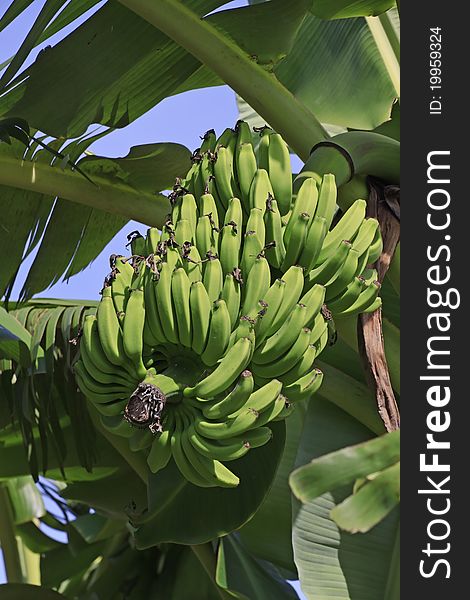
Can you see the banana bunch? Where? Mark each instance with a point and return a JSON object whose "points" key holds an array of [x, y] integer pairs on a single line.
{"points": [[210, 330]]}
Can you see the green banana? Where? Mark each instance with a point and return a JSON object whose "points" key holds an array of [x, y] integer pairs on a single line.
{"points": [[173, 256], [192, 263], [272, 412], [348, 297], [261, 399], [235, 400], [234, 450], [254, 242], [294, 283], [160, 452], [306, 202], [263, 147], [212, 470], [329, 270], [275, 249], [213, 277], [188, 212], [189, 472], [296, 241], [245, 329], [209, 141], [375, 249], [283, 364], [122, 277], [164, 304], [110, 330], [282, 340], [376, 304], [208, 208], [257, 285], [153, 330], [227, 429], [91, 365], [318, 328], [365, 300], [219, 334], [200, 306], [102, 388], [313, 300], [313, 243], [180, 288], [133, 330], [152, 240], [346, 274], [225, 373], [246, 169], [231, 237], [280, 173], [184, 232], [207, 238], [91, 344], [365, 235], [223, 175], [260, 190], [231, 295], [305, 387], [137, 243], [327, 194], [273, 301], [301, 367], [346, 229]]}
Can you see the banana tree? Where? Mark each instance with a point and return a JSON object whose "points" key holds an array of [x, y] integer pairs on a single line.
{"points": [[319, 502]]}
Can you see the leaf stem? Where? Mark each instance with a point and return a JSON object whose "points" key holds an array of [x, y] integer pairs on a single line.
{"points": [[8, 542], [115, 198], [386, 49], [261, 89]]}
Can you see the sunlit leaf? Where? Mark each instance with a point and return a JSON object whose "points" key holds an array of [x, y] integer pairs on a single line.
{"points": [[343, 466], [371, 503], [26, 500]]}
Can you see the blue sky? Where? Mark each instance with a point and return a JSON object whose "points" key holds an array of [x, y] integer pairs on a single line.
{"points": [[181, 119]]}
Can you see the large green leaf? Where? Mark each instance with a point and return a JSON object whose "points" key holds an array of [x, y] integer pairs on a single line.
{"points": [[123, 64], [333, 564], [14, 591], [344, 80], [62, 563], [188, 571], [13, 11], [74, 234], [115, 496], [342, 9], [183, 513], [50, 8], [268, 535], [264, 31], [15, 340], [237, 571]]}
